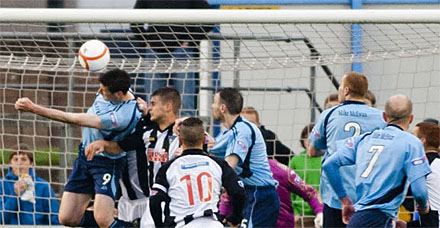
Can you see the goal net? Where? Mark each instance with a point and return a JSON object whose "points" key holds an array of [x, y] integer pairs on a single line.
{"points": [[285, 63]]}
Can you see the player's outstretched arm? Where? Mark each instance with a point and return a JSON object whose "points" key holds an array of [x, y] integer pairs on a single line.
{"points": [[81, 119], [100, 146], [297, 186]]}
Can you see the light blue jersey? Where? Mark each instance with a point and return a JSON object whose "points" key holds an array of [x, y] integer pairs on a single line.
{"points": [[118, 120], [387, 161], [351, 118], [244, 138], [221, 144]]}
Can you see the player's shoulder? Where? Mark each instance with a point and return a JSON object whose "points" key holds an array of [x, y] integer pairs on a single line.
{"points": [[374, 111], [410, 138], [221, 162], [243, 126], [165, 166], [329, 111]]}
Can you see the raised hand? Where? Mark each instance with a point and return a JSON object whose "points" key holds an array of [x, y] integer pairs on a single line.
{"points": [[24, 104]]}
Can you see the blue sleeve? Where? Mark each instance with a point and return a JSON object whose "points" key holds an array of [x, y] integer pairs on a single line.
{"points": [[317, 136], [119, 118], [9, 201], [345, 155], [239, 143], [1, 201], [420, 192], [219, 149], [416, 165]]}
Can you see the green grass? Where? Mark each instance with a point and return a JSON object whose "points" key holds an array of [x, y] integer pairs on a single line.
{"points": [[42, 157]]}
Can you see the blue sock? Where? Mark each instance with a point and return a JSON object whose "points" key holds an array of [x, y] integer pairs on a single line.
{"points": [[120, 224], [88, 220]]}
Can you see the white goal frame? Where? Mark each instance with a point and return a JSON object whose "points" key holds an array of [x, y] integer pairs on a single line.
{"points": [[22, 15]]}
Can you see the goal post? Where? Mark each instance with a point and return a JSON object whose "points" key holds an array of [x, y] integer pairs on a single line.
{"points": [[285, 62]]}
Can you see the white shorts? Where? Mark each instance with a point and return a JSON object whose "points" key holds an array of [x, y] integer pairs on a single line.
{"points": [[147, 220], [129, 210], [203, 222]]}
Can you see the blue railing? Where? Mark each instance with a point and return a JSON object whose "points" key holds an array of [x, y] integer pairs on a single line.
{"points": [[318, 2]]}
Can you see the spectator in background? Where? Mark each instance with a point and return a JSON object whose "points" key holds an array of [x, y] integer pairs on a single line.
{"points": [[429, 134], [331, 100], [274, 147], [25, 198], [309, 169], [370, 99], [431, 120], [177, 42]]}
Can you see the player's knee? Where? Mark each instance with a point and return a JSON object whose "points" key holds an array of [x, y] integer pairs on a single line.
{"points": [[68, 220], [103, 220]]}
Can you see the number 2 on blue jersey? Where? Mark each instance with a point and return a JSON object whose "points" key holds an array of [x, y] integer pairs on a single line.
{"points": [[357, 128]]}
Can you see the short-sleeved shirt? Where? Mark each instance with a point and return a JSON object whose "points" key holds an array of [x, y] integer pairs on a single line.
{"points": [[118, 120], [193, 182], [387, 161], [245, 138], [351, 118]]}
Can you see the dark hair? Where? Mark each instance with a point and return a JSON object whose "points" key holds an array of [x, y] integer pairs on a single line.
{"points": [[305, 133], [331, 97], [116, 80], [169, 94], [431, 132], [192, 132], [232, 99], [21, 149], [371, 97], [431, 120], [357, 83]]}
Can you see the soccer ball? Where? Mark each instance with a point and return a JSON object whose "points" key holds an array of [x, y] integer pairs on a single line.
{"points": [[94, 55]]}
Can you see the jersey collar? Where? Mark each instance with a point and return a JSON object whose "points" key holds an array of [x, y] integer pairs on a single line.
{"points": [[169, 128], [194, 152], [393, 125], [353, 102], [239, 119]]}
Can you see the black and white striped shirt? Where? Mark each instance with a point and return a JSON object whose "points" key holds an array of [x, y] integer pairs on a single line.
{"points": [[147, 149]]}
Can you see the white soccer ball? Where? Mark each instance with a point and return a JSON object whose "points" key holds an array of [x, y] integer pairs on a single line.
{"points": [[94, 55]]}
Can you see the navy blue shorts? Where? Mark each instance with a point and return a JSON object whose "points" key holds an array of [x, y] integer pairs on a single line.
{"points": [[332, 217], [99, 176], [370, 218], [261, 207]]}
